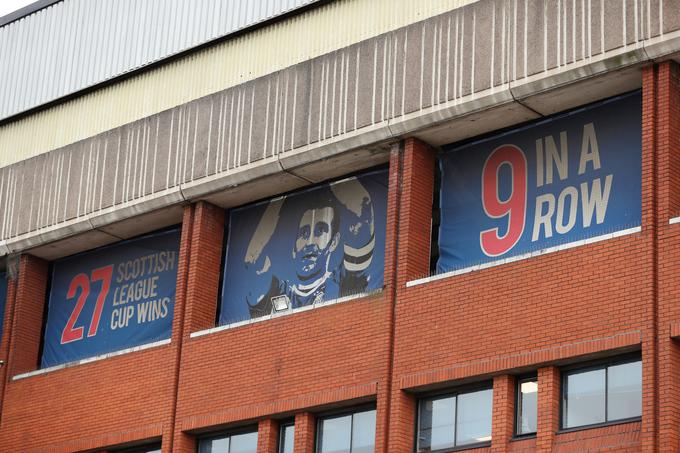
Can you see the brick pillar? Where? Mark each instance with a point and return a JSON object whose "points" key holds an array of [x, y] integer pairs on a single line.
{"points": [[198, 286], [268, 436], [6, 334], [413, 222], [183, 443], [549, 385], [305, 432], [203, 283], [28, 315], [650, 206], [503, 426], [660, 354], [390, 293], [402, 422], [174, 441]]}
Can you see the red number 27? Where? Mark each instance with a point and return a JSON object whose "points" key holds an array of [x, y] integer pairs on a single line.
{"points": [[103, 274]]}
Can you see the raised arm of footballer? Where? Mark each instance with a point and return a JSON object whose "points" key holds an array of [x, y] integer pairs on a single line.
{"points": [[358, 235], [258, 262]]}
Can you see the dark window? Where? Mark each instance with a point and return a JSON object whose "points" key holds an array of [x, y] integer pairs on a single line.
{"points": [[154, 448], [347, 433], [527, 403], [244, 442], [602, 394], [455, 420], [287, 439]]}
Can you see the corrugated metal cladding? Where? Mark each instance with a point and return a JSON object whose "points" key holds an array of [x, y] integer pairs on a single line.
{"points": [[413, 77], [75, 44], [326, 28]]}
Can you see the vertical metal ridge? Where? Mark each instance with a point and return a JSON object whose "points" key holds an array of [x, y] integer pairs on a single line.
{"points": [[75, 44]]}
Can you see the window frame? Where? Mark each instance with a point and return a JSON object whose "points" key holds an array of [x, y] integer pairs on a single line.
{"points": [[341, 413], [602, 364], [518, 397], [282, 426], [459, 390], [213, 435]]}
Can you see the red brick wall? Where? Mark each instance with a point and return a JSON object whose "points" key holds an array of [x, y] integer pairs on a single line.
{"points": [[28, 314], [503, 421], [597, 298], [204, 275], [666, 81], [533, 315], [108, 402], [6, 334]]}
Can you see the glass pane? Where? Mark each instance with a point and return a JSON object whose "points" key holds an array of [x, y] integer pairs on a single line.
{"points": [[474, 417], [584, 398], [214, 445], [624, 386], [363, 432], [335, 435], [287, 439], [436, 424], [527, 422], [244, 443]]}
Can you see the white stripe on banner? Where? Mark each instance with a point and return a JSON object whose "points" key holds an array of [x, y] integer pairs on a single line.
{"points": [[361, 251]]}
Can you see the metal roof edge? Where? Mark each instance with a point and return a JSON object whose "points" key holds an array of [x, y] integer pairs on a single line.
{"points": [[26, 11]]}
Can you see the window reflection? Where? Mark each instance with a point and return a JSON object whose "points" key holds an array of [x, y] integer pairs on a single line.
{"points": [[351, 433], [624, 386], [287, 439], [454, 420], [527, 421], [237, 443], [602, 394]]}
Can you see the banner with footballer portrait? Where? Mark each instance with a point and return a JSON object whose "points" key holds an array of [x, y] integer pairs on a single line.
{"points": [[314, 245]]}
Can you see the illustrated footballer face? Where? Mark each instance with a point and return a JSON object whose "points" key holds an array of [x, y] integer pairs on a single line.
{"points": [[315, 241]]}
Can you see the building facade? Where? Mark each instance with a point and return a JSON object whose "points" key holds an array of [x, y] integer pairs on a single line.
{"points": [[340, 226]]}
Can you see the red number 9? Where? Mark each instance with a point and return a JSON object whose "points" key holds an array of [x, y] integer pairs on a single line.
{"points": [[514, 207]]}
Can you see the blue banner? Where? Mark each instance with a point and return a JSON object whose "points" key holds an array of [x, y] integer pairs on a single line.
{"points": [[3, 300], [112, 298], [318, 244], [568, 178]]}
